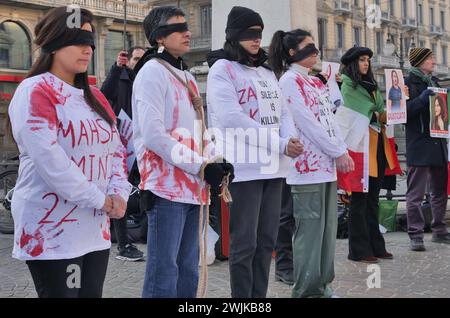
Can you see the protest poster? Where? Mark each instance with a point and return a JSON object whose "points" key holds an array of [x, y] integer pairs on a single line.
{"points": [[395, 97]]}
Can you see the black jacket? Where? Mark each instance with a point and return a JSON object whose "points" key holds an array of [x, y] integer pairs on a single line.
{"points": [[118, 87], [421, 149]]}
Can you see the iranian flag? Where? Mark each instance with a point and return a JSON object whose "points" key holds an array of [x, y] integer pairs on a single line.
{"points": [[362, 138]]}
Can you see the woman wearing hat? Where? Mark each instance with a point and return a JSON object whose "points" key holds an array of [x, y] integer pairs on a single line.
{"points": [[362, 122], [244, 98], [426, 156]]}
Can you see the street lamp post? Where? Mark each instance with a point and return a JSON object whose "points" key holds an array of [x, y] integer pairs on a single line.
{"points": [[401, 60], [391, 49]]}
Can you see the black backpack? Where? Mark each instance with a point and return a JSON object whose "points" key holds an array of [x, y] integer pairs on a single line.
{"points": [[342, 228]]}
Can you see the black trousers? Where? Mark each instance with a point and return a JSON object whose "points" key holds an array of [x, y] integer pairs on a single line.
{"points": [[121, 230], [80, 277], [254, 220], [365, 238], [284, 262]]}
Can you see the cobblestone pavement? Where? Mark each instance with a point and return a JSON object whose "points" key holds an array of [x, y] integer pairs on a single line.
{"points": [[410, 274]]}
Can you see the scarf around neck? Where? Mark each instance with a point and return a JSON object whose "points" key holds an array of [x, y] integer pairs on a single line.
{"points": [[425, 78]]}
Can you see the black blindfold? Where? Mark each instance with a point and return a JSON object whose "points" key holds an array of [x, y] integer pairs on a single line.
{"points": [[79, 37], [304, 53], [166, 30]]}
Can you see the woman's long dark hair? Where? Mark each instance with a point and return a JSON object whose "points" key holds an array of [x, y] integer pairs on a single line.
{"points": [[236, 52], [54, 26], [279, 48], [392, 78], [441, 102], [352, 71]]}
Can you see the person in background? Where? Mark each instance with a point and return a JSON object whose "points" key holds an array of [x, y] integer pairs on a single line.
{"points": [[426, 156], [118, 85], [118, 88], [362, 120]]}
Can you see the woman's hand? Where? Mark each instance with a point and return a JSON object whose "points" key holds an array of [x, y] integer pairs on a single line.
{"points": [[345, 163], [119, 206], [406, 90], [382, 118], [107, 207], [325, 75], [294, 148]]}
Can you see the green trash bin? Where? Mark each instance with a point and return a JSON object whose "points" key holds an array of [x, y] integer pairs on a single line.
{"points": [[387, 214]]}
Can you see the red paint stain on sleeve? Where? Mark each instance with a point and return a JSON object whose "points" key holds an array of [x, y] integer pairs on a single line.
{"points": [[44, 99], [122, 155], [301, 86], [153, 163], [188, 142]]}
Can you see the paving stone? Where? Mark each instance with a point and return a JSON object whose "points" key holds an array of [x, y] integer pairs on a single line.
{"points": [[410, 274]]}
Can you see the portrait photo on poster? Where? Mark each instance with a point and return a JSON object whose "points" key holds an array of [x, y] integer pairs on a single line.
{"points": [[395, 97], [439, 113]]}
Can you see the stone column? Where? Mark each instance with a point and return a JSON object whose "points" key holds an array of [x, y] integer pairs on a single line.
{"points": [[304, 16], [102, 30]]}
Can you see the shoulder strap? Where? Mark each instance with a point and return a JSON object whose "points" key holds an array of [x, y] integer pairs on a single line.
{"points": [[184, 82], [197, 101]]}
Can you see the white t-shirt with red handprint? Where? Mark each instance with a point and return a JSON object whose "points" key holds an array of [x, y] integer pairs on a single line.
{"points": [[70, 159]]}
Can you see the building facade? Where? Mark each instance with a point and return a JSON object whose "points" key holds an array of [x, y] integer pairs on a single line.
{"points": [[336, 24], [17, 50], [403, 23]]}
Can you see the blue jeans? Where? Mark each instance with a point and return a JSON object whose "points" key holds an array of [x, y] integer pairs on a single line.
{"points": [[172, 250]]}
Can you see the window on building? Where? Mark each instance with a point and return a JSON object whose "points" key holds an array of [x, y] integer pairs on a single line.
{"points": [[205, 20], [357, 36], [91, 68], [340, 36], [431, 16], [379, 39], [444, 55], [420, 13], [405, 8], [356, 3], [113, 45], [434, 48], [406, 44], [4, 54], [442, 20], [421, 43], [322, 32], [392, 7], [15, 46]]}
